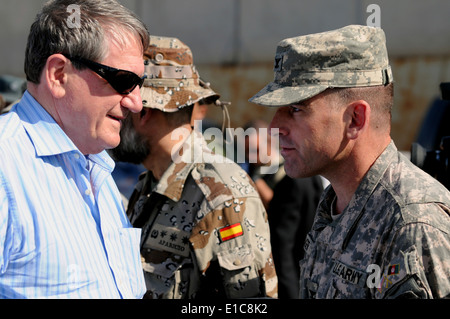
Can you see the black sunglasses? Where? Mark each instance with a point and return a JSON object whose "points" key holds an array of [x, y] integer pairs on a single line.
{"points": [[123, 81]]}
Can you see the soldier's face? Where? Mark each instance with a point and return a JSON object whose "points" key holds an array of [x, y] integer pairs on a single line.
{"points": [[312, 136]]}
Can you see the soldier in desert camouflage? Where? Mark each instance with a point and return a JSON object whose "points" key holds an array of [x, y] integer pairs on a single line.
{"points": [[205, 230], [382, 228]]}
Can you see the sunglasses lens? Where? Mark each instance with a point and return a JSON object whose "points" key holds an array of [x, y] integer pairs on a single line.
{"points": [[124, 81]]}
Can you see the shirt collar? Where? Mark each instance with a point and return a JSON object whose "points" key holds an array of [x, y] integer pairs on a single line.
{"points": [[47, 136], [355, 209], [372, 177]]}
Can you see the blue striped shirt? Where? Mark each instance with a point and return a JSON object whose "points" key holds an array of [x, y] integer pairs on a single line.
{"points": [[63, 229]]}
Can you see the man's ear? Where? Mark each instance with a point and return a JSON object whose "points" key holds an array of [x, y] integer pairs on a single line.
{"points": [[144, 115], [359, 115], [55, 74], [142, 118]]}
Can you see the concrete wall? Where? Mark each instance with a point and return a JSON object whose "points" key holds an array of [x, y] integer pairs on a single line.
{"points": [[234, 42]]}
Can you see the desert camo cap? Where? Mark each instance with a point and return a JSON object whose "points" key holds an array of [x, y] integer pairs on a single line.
{"points": [[172, 80], [353, 56]]}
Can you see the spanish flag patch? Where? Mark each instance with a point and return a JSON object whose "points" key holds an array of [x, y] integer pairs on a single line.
{"points": [[230, 232]]}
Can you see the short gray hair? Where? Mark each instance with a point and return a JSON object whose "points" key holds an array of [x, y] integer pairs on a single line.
{"points": [[99, 20], [380, 98]]}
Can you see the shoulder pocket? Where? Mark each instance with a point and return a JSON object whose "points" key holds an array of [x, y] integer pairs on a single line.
{"points": [[240, 276], [405, 277], [236, 258]]}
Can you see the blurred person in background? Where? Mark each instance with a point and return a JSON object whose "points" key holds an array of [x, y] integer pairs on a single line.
{"points": [[2, 104], [11, 89], [291, 204]]}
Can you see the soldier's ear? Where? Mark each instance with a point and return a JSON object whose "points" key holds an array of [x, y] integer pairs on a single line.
{"points": [[358, 115], [145, 115]]}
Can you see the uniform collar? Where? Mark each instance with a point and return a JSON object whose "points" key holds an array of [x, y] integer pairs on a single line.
{"points": [[354, 211], [172, 181]]}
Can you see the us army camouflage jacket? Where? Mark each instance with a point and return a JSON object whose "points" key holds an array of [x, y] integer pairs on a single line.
{"points": [[205, 231], [391, 241]]}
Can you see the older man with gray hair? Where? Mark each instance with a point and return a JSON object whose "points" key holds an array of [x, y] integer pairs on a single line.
{"points": [[63, 231]]}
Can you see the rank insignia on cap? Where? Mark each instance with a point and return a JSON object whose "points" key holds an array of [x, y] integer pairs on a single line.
{"points": [[278, 62], [393, 269], [230, 232]]}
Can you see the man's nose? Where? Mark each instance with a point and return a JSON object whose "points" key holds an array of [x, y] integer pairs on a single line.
{"points": [[133, 101]]}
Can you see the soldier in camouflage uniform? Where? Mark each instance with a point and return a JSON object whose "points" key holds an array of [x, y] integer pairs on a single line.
{"points": [[205, 230], [382, 228]]}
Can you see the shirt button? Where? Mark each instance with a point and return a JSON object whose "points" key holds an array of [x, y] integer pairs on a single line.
{"points": [[77, 156], [237, 262], [87, 192]]}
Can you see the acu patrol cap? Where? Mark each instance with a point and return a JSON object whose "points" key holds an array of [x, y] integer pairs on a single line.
{"points": [[172, 80], [353, 56]]}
